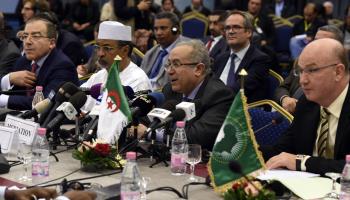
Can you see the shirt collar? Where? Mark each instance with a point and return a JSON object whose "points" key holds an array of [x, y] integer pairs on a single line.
{"points": [[241, 53], [217, 38], [41, 61], [170, 47], [336, 106], [194, 92]]}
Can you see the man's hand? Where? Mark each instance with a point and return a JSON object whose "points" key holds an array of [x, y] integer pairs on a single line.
{"points": [[144, 5], [23, 78], [80, 195], [289, 104], [82, 70], [283, 159], [29, 194]]}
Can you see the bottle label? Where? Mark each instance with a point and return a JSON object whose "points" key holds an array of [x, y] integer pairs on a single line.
{"points": [[40, 168], [130, 195], [178, 160], [36, 168]]}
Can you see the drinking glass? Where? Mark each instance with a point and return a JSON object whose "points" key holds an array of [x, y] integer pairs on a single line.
{"points": [[24, 154], [143, 186], [193, 157], [333, 194]]}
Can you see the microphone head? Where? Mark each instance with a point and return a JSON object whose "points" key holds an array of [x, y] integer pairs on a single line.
{"points": [[129, 92], [66, 91], [178, 115], [42, 106], [78, 100], [158, 98], [144, 103], [235, 167], [95, 90], [169, 105]]}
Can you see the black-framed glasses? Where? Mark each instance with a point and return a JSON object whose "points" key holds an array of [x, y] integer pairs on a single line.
{"points": [[311, 70], [34, 37], [176, 64], [234, 28], [104, 48]]}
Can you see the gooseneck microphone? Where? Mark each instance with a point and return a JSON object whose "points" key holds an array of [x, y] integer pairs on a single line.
{"points": [[275, 121], [39, 108]]}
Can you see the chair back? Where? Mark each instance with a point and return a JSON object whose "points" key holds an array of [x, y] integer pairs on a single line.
{"points": [[268, 126], [275, 80], [194, 25]]}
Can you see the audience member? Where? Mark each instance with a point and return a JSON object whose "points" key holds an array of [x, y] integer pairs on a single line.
{"points": [[243, 55], [114, 39], [167, 33], [42, 65], [216, 42], [328, 8], [281, 8], [83, 16], [31, 7], [9, 53], [107, 12], [290, 91], [169, 6], [317, 140], [197, 6], [188, 67]]}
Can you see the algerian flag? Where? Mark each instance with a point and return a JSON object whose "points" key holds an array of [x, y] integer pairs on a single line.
{"points": [[115, 112], [235, 141]]}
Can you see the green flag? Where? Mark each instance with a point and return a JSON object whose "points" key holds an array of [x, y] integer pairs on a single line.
{"points": [[115, 112], [235, 141]]}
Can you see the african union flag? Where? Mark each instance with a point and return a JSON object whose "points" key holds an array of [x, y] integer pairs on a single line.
{"points": [[235, 141]]}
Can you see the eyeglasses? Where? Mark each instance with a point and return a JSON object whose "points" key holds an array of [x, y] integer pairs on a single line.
{"points": [[175, 64], [312, 70], [234, 28], [34, 37], [104, 48]]}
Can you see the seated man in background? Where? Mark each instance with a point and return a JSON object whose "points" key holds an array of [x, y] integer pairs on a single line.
{"points": [[317, 140], [42, 65], [290, 91], [188, 68]]}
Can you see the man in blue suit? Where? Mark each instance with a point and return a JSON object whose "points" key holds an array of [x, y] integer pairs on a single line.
{"points": [[42, 65]]}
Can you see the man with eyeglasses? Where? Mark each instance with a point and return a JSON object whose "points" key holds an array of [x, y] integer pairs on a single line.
{"points": [[243, 55], [115, 39], [318, 139], [188, 67], [43, 65]]}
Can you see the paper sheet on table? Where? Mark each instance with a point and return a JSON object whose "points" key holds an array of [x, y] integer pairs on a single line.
{"points": [[303, 184]]}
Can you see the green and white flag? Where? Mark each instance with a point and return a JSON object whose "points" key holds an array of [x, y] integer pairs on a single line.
{"points": [[235, 141], [115, 112]]}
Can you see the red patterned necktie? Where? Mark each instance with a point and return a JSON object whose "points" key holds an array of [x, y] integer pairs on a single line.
{"points": [[34, 67]]}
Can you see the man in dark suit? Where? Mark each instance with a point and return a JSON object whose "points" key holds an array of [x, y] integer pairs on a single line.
{"points": [[238, 30], [318, 139], [42, 65], [281, 8], [190, 79]]}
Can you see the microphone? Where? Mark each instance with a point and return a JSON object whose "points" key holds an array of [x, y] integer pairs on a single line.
{"points": [[235, 167], [39, 108], [158, 115], [176, 115], [129, 92], [143, 104], [63, 94], [189, 108], [68, 109], [88, 133], [277, 119], [96, 90]]}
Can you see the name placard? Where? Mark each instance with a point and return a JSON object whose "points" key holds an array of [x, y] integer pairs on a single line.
{"points": [[6, 134], [26, 129]]}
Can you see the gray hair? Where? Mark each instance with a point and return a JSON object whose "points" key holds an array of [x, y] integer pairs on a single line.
{"points": [[199, 53], [338, 34]]}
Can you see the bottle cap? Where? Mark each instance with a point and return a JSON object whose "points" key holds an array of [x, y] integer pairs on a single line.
{"points": [[131, 155], [39, 88], [347, 158], [41, 131], [180, 124]]}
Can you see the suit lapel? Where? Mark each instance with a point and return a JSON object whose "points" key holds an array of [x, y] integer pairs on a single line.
{"points": [[343, 124], [244, 62], [222, 63]]}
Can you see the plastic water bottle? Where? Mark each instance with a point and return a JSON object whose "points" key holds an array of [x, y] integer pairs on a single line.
{"points": [[38, 96], [40, 157], [130, 183], [179, 150], [345, 181]]}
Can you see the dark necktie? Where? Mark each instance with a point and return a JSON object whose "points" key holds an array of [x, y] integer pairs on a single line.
{"points": [[158, 64], [231, 79], [210, 42], [34, 66], [322, 150], [186, 99]]}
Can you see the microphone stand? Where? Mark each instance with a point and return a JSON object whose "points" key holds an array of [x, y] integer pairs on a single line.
{"points": [[158, 151]]}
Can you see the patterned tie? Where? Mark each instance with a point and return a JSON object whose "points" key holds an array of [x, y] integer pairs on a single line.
{"points": [[231, 73], [34, 67], [158, 64], [324, 131]]}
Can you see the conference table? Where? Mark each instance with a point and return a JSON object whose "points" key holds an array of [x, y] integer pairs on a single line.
{"points": [[159, 174]]}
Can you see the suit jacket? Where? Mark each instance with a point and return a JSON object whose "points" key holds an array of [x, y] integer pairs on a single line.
{"points": [[299, 27], [219, 48], [289, 86], [288, 9], [257, 64], [213, 100], [267, 27], [301, 136], [9, 53], [150, 58], [56, 69]]}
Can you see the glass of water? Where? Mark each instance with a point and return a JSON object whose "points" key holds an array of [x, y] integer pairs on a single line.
{"points": [[24, 154], [194, 156]]}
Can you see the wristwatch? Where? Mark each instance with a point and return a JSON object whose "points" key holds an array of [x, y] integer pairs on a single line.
{"points": [[298, 160]]}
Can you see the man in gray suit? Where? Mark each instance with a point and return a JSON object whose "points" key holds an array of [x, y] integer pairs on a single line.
{"points": [[166, 31]]}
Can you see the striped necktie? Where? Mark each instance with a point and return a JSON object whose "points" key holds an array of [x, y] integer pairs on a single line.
{"points": [[322, 142]]}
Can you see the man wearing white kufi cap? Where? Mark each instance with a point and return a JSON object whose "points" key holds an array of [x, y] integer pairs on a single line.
{"points": [[114, 39]]}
